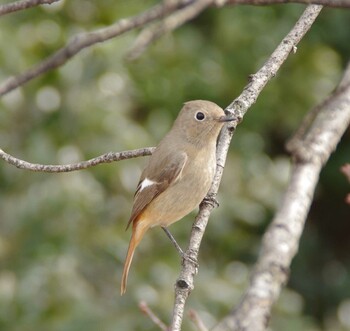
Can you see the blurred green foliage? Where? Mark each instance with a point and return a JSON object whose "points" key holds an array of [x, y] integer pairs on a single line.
{"points": [[62, 238]]}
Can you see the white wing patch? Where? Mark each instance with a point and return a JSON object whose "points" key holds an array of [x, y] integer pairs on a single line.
{"points": [[145, 183]]}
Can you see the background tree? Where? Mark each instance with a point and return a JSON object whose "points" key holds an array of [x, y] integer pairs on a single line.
{"points": [[62, 240]]}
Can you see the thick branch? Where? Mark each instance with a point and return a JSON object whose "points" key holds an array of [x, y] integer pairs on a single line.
{"points": [[105, 158], [237, 108], [281, 240], [22, 4]]}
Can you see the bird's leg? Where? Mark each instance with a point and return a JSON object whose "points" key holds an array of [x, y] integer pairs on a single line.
{"points": [[178, 248], [172, 239]]}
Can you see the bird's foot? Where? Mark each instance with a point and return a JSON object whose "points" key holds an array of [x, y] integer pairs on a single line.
{"points": [[187, 257], [210, 199]]}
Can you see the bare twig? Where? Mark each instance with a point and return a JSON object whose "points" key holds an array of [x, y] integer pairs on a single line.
{"points": [[237, 108], [154, 318], [345, 169], [85, 40], [326, 3], [22, 4], [88, 39], [149, 35], [105, 158], [197, 320], [281, 240]]}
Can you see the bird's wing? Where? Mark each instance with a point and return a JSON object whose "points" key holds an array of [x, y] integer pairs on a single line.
{"points": [[155, 180]]}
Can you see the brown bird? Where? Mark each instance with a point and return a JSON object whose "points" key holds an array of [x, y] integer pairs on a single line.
{"points": [[178, 174]]}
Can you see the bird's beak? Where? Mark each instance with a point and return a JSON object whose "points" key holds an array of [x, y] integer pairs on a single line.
{"points": [[226, 118]]}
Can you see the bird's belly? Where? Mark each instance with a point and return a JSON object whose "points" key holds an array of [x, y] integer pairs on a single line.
{"points": [[181, 198]]}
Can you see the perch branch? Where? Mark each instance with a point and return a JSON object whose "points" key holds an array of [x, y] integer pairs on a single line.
{"points": [[237, 108], [281, 240], [105, 158]]}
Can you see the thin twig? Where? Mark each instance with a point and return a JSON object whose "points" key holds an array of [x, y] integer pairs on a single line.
{"points": [[22, 4], [105, 158], [237, 108], [345, 169], [197, 320], [154, 318], [149, 35], [326, 3], [85, 40], [88, 39]]}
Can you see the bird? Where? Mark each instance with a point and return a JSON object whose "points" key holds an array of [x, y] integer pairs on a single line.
{"points": [[178, 174]]}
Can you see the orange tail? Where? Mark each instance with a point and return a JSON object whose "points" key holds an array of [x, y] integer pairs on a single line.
{"points": [[138, 231]]}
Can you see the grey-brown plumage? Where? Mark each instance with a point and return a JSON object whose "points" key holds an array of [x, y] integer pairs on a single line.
{"points": [[178, 174]]}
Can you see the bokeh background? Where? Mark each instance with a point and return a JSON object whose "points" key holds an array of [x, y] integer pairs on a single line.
{"points": [[62, 236]]}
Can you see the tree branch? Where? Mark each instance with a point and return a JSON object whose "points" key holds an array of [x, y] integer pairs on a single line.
{"points": [[197, 321], [153, 317], [345, 169], [105, 158], [326, 3], [22, 4], [149, 35], [270, 272], [85, 40], [281, 240], [163, 10], [237, 108]]}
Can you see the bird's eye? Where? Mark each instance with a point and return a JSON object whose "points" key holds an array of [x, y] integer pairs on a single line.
{"points": [[200, 116]]}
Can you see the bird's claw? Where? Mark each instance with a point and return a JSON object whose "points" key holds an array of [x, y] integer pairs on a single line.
{"points": [[187, 257], [211, 200]]}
